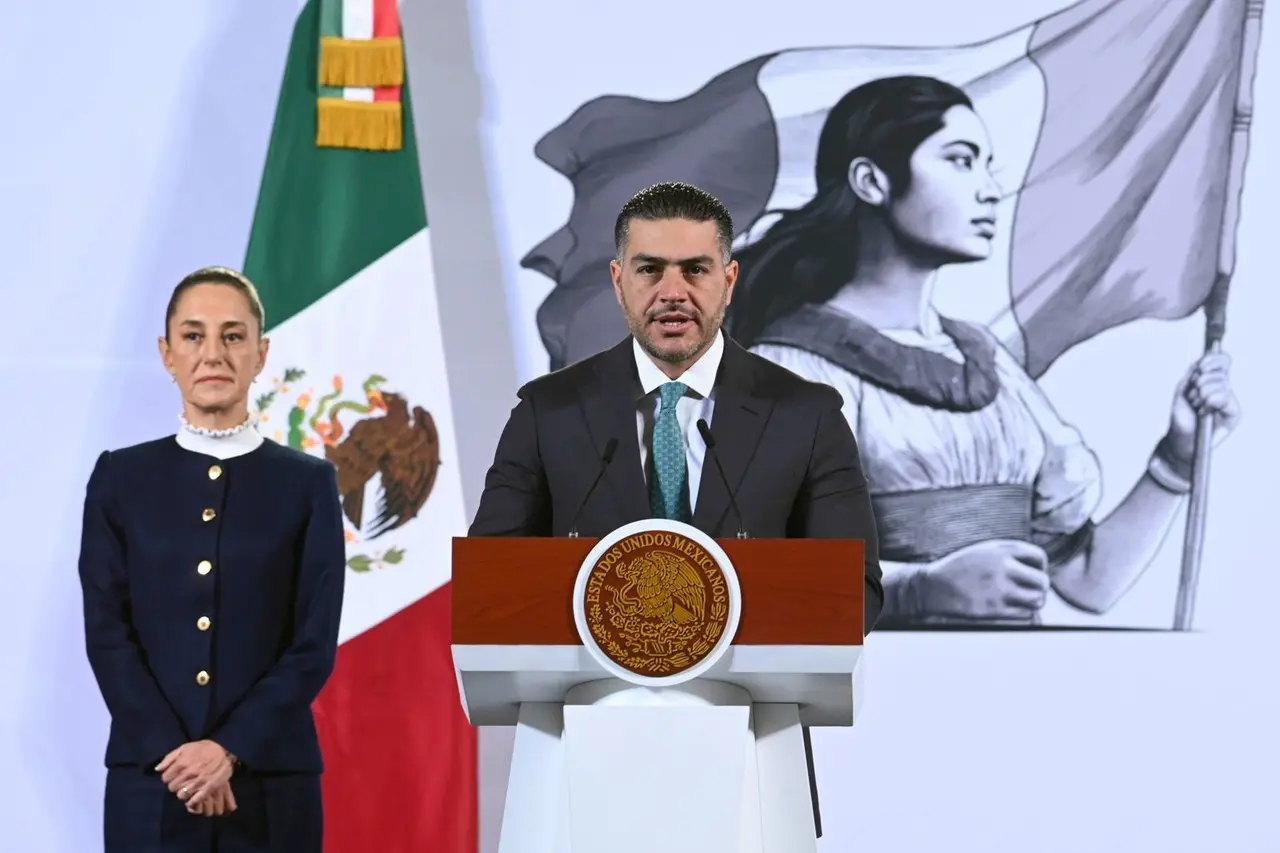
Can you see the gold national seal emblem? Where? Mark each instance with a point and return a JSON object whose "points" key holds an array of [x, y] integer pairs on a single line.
{"points": [[656, 603]]}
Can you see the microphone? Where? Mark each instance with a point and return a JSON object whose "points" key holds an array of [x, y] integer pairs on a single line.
{"points": [[610, 448], [710, 441]]}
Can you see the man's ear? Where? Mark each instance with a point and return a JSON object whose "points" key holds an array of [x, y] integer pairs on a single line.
{"points": [[615, 272]]}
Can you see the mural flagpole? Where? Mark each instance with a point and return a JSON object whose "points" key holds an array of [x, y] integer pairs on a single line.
{"points": [[1215, 311]]}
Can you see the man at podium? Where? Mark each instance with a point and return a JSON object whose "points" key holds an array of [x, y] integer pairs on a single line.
{"points": [[622, 436], [640, 419]]}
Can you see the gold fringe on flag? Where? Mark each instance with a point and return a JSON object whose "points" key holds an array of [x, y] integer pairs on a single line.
{"points": [[361, 63], [368, 125]]}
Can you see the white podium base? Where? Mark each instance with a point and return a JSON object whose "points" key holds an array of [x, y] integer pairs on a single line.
{"points": [[680, 769]]}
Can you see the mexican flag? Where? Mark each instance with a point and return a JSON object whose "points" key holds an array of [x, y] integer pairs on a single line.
{"points": [[341, 252]]}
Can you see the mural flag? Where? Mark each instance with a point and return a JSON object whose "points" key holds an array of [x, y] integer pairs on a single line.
{"points": [[1118, 194]]}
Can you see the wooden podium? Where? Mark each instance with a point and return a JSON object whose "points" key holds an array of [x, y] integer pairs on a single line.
{"points": [[605, 760]]}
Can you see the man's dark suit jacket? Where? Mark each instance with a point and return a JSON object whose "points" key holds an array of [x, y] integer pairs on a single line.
{"points": [[786, 448]]}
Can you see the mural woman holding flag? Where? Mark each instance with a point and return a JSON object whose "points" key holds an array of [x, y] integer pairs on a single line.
{"points": [[984, 497]]}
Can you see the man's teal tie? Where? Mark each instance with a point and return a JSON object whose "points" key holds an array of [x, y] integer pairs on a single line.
{"points": [[669, 482]]}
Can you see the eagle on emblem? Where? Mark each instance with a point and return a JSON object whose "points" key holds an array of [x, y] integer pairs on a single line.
{"points": [[403, 447], [665, 587]]}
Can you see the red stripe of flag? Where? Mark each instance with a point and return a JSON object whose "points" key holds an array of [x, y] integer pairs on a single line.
{"points": [[399, 753], [386, 24]]}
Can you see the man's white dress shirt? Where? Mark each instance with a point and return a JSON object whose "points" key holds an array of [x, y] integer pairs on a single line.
{"points": [[698, 402]]}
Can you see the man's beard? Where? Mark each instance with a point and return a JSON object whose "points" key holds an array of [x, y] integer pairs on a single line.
{"points": [[641, 329]]}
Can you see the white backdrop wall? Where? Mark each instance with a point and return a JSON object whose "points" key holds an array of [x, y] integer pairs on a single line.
{"points": [[135, 158], [131, 155]]}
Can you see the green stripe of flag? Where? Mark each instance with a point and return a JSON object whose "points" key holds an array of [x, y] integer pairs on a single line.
{"points": [[331, 17], [324, 214], [330, 25]]}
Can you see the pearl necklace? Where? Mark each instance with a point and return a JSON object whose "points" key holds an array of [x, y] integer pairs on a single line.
{"points": [[216, 433]]}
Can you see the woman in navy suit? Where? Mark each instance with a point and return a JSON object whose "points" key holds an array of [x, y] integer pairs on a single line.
{"points": [[212, 567]]}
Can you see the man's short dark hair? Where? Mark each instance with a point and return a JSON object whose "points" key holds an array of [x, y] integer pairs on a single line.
{"points": [[674, 200]]}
